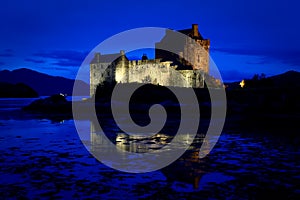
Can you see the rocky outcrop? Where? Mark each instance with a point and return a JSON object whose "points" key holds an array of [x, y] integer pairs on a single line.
{"points": [[54, 104]]}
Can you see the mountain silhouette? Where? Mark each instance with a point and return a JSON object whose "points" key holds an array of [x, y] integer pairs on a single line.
{"points": [[43, 84], [287, 79]]}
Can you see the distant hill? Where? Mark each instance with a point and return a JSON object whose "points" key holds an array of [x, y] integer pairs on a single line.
{"points": [[289, 79], [19, 90], [43, 84]]}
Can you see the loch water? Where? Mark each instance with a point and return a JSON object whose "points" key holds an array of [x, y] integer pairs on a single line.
{"points": [[44, 158]]}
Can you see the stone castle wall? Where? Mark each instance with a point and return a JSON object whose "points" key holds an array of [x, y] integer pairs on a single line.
{"points": [[198, 56], [147, 71]]}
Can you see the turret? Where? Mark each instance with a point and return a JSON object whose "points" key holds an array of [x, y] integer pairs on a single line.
{"points": [[144, 57], [195, 32], [122, 53]]}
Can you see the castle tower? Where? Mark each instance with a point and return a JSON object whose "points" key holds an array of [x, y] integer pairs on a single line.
{"points": [[103, 69], [121, 68], [199, 56]]}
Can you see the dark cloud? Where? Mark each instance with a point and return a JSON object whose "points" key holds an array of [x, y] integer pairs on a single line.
{"points": [[34, 60], [9, 50], [67, 63], [55, 68], [6, 53], [236, 51], [64, 57], [258, 62], [290, 56]]}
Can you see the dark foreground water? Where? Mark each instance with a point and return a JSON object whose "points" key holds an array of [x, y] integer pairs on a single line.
{"points": [[45, 159]]}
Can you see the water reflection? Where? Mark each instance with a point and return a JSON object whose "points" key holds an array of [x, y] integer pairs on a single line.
{"points": [[139, 144], [136, 144], [189, 168]]}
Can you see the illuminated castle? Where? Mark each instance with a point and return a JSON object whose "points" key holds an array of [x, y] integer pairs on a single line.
{"points": [[163, 70]]}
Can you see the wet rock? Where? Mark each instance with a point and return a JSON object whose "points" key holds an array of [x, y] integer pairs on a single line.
{"points": [[54, 104]]}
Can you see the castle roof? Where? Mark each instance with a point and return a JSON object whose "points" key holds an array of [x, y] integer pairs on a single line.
{"points": [[170, 37], [107, 58], [189, 32]]}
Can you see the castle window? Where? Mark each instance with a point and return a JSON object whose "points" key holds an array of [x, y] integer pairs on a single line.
{"points": [[198, 58]]}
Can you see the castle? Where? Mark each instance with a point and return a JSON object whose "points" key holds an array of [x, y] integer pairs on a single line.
{"points": [[164, 69]]}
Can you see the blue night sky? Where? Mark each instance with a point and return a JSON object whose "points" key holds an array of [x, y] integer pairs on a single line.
{"points": [[247, 37]]}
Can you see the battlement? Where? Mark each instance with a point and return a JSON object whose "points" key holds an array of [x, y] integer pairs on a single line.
{"points": [[140, 62]]}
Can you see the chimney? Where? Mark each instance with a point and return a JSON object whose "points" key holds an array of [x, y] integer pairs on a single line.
{"points": [[97, 57], [122, 52], [195, 32]]}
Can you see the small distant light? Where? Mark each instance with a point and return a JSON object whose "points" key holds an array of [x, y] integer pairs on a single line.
{"points": [[242, 83]]}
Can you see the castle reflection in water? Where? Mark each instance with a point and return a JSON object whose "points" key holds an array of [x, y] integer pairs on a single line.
{"points": [[189, 168]]}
